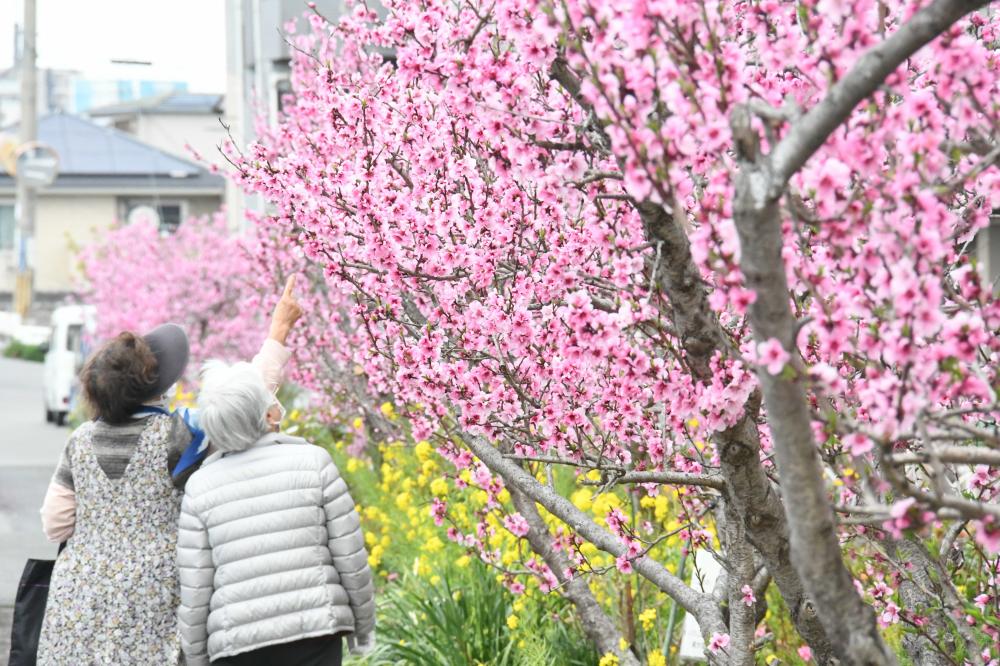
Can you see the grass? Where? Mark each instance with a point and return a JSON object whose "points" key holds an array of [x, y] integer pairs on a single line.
{"points": [[26, 352]]}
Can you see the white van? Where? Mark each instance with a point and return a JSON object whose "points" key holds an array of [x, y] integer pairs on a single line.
{"points": [[72, 327]]}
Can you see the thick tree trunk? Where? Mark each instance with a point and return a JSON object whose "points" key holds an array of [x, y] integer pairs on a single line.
{"points": [[935, 648], [761, 183], [739, 559], [815, 548], [748, 490]]}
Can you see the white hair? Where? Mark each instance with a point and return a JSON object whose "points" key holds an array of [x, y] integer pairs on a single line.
{"points": [[233, 405]]}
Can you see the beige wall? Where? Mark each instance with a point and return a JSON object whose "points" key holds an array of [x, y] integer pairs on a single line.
{"points": [[67, 222], [198, 206], [60, 222]]}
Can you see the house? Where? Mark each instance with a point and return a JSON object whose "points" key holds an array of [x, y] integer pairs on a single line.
{"points": [[985, 249], [171, 122], [105, 175]]}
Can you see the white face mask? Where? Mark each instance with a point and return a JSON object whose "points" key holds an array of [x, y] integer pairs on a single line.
{"points": [[275, 415]]}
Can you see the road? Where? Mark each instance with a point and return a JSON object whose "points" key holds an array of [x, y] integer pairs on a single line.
{"points": [[29, 450]]}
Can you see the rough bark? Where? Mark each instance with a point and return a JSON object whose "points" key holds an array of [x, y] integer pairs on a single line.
{"points": [[596, 624], [849, 622], [747, 487], [915, 593], [740, 572], [815, 548], [748, 490]]}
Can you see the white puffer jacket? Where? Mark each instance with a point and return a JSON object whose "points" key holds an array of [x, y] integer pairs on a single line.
{"points": [[270, 551]]}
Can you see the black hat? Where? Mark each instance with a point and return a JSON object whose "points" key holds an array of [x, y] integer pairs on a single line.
{"points": [[169, 343]]}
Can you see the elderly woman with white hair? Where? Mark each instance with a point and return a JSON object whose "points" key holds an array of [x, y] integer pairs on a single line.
{"points": [[272, 560]]}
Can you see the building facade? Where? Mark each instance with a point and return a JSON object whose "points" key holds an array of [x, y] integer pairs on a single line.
{"points": [[105, 176]]}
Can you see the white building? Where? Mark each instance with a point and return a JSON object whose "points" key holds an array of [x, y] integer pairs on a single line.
{"points": [[257, 59], [171, 122]]}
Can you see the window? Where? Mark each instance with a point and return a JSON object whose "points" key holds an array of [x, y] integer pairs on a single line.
{"points": [[7, 223], [74, 337], [284, 94], [167, 213]]}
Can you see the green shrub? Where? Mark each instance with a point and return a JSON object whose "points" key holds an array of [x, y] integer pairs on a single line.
{"points": [[460, 621], [27, 352]]}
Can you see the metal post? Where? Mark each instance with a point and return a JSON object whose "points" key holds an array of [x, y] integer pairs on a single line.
{"points": [[236, 102], [25, 206]]}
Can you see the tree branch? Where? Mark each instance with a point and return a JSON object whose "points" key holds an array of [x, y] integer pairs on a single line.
{"points": [[697, 604], [811, 131], [596, 623]]}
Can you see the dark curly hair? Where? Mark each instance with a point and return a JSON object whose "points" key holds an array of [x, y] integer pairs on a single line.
{"points": [[118, 378]]}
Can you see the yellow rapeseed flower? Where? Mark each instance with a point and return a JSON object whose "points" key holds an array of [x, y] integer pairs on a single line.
{"points": [[387, 410], [352, 465], [582, 499], [423, 449], [608, 660], [463, 561], [648, 618], [512, 621], [622, 644], [662, 506], [656, 658], [439, 487], [357, 423]]}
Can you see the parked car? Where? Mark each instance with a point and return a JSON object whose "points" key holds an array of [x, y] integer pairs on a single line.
{"points": [[72, 326]]}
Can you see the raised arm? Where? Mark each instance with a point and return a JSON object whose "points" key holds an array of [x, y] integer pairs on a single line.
{"points": [[273, 355]]}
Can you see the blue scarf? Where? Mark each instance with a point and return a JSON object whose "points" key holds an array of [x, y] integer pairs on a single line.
{"points": [[197, 450]]}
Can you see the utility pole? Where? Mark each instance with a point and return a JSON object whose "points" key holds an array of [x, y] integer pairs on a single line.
{"points": [[26, 196]]}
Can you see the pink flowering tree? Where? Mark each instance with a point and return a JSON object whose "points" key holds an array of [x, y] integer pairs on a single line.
{"points": [[199, 277], [719, 247]]}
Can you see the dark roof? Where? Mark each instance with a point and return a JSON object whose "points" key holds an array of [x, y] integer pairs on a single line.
{"points": [[92, 156], [174, 102]]}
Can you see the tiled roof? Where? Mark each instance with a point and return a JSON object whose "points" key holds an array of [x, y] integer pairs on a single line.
{"points": [[93, 156]]}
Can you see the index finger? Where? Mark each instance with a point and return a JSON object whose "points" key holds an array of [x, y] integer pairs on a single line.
{"points": [[289, 286]]}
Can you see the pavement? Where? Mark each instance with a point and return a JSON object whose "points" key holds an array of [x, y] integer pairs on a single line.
{"points": [[29, 451]]}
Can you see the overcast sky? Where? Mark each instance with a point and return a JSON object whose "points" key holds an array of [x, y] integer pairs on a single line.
{"points": [[184, 39]]}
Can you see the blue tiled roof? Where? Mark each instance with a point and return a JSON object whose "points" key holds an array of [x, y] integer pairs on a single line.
{"points": [[94, 156], [85, 148]]}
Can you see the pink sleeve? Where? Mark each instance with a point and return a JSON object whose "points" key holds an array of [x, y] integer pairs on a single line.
{"points": [[270, 361], [58, 513]]}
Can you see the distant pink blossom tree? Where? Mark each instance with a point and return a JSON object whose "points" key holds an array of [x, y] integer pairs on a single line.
{"points": [[601, 234], [199, 276]]}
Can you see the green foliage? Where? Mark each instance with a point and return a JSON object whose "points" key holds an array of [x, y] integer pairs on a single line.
{"points": [[26, 352], [459, 621]]}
